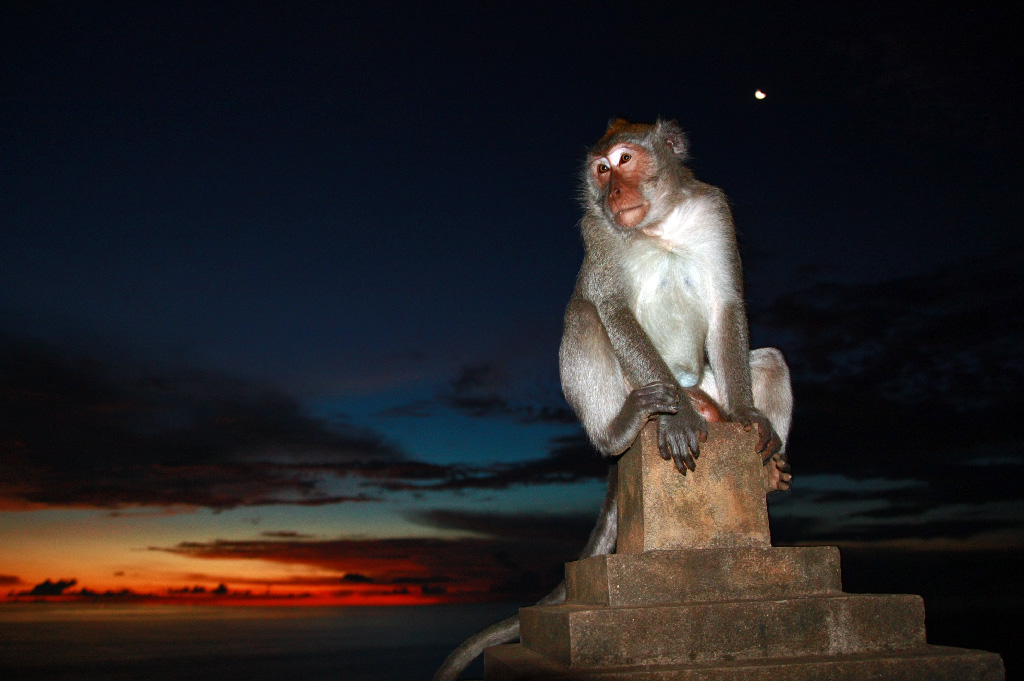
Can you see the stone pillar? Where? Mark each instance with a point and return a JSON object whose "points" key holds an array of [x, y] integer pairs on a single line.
{"points": [[720, 504], [697, 593]]}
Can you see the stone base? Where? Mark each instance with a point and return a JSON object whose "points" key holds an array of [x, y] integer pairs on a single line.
{"points": [[697, 593], [930, 663], [704, 575], [590, 636]]}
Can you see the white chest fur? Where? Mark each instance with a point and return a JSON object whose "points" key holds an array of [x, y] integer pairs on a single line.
{"points": [[672, 279]]}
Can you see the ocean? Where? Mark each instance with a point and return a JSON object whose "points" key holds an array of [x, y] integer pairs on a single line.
{"points": [[78, 642], [115, 642]]}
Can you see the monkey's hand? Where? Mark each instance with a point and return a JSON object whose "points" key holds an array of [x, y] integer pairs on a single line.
{"points": [[658, 397], [640, 405], [768, 443], [679, 437]]}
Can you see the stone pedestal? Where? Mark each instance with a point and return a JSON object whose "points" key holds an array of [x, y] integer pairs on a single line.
{"points": [[720, 504], [697, 593]]}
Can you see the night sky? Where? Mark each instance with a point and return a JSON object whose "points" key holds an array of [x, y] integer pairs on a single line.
{"points": [[281, 286]]}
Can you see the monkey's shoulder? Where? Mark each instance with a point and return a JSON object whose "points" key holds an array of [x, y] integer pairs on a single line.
{"points": [[698, 218]]}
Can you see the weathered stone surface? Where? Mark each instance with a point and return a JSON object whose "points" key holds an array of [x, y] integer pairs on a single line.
{"points": [[696, 575], [721, 504], [577, 635], [930, 663], [697, 593]]}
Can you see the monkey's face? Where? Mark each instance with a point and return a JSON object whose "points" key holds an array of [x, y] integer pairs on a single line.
{"points": [[620, 175]]}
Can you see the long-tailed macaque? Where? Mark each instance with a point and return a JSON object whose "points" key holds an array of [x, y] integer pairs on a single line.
{"points": [[656, 327]]}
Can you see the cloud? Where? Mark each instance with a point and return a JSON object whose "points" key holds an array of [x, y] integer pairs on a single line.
{"points": [[901, 378], [553, 528], [422, 580], [10, 580], [356, 577], [417, 409], [572, 459], [60, 590], [79, 432], [48, 588], [487, 390], [864, 530], [519, 556], [918, 380]]}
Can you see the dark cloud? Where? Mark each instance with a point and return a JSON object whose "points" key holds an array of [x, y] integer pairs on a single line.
{"points": [[10, 580], [48, 588], [864, 529], [286, 535], [488, 390], [554, 528], [522, 557], [291, 581], [422, 580], [188, 590], [915, 381], [572, 459], [356, 577], [78, 431], [194, 594], [417, 409], [909, 377], [971, 485]]}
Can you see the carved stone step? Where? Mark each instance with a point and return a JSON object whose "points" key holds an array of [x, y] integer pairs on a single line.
{"points": [[928, 663], [696, 592], [588, 636], [698, 575]]}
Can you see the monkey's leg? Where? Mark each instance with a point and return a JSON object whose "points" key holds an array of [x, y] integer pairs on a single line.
{"points": [[773, 395], [593, 382]]}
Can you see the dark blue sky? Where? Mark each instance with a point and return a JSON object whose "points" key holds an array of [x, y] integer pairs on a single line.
{"points": [[258, 261]]}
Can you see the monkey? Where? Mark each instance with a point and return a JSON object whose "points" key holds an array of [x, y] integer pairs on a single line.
{"points": [[656, 328]]}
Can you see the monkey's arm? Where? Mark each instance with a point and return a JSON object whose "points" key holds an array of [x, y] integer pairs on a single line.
{"points": [[728, 350], [637, 355], [611, 409], [679, 433]]}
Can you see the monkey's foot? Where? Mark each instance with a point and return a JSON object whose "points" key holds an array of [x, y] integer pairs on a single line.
{"points": [[777, 477]]}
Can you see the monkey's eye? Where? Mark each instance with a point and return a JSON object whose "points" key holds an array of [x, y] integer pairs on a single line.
{"points": [[603, 168], [625, 158]]}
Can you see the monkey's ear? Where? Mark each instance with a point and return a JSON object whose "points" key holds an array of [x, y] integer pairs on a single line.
{"points": [[615, 124], [674, 137]]}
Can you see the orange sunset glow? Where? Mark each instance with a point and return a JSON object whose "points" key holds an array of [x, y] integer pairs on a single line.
{"points": [[97, 563]]}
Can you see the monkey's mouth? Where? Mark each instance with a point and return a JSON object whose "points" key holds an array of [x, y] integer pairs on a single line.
{"points": [[632, 216]]}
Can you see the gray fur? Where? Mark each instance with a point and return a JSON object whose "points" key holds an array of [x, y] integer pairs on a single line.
{"points": [[658, 307]]}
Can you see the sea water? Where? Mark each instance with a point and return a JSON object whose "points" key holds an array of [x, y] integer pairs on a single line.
{"points": [[78, 642]]}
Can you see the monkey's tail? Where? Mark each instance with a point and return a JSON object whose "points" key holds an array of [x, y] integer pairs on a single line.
{"points": [[601, 541]]}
